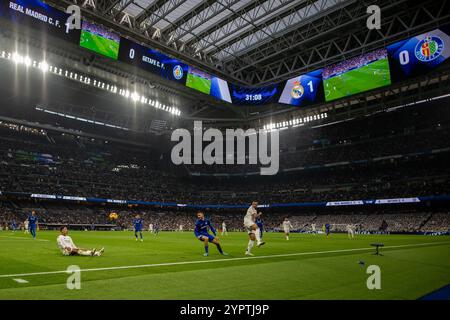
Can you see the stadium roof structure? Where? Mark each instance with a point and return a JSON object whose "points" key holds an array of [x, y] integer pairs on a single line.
{"points": [[257, 42], [253, 43]]}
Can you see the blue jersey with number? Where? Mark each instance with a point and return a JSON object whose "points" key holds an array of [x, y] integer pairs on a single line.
{"points": [[32, 221], [202, 226], [138, 224]]}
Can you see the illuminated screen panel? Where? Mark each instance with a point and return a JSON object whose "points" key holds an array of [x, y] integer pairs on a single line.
{"points": [[254, 96], [199, 80], [152, 61], [360, 74], [220, 89], [39, 16], [100, 40], [420, 54], [304, 90]]}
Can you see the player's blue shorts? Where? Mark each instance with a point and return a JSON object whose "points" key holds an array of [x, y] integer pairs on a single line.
{"points": [[137, 229], [327, 231], [201, 235]]}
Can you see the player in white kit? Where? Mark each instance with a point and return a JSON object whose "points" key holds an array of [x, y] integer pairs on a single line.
{"points": [[26, 227], [350, 231], [68, 248], [313, 228], [253, 230], [224, 228], [150, 227], [181, 228], [287, 226]]}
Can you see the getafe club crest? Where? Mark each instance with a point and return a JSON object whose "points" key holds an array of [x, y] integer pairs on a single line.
{"points": [[297, 90], [429, 48], [178, 72]]}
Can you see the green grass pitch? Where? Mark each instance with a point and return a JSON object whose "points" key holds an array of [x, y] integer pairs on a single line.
{"points": [[171, 266], [198, 83], [99, 44], [372, 76]]}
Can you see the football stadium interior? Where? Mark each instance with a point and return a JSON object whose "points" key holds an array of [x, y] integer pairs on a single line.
{"points": [[358, 116]]}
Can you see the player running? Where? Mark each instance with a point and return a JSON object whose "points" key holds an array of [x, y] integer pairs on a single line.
{"points": [[287, 226], [68, 248], [327, 229], [224, 229], [138, 222], [253, 230], [13, 225], [201, 232], [260, 223], [26, 227], [313, 228], [33, 223], [351, 231]]}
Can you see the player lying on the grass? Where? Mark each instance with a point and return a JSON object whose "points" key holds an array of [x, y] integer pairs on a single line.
{"points": [[201, 232], [287, 226], [253, 230], [138, 222], [68, 248]]}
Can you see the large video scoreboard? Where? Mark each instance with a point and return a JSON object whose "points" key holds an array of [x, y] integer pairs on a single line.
{"points": [[372, 70]]}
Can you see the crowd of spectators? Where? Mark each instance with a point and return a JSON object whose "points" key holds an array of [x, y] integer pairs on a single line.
{"points": [[85, 217]]}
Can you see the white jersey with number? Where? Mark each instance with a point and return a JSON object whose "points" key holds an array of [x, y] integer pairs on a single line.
{"points": [[249, 219], [65, 242], [287, 226]]}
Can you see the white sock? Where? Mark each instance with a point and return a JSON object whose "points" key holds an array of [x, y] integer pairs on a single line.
{"points": [[250, 246], [84, 252], [287, 237], [258, 235]]}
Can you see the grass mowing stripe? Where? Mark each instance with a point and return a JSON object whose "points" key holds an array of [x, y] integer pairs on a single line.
{"points": [[222, 260]]}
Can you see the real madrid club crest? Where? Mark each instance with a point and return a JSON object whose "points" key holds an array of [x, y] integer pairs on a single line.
{"points": [[297, 90], [429, 48], [178, 72]]}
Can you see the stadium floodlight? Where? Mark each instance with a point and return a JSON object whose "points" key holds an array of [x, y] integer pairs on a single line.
{"points": [[43, 65], [17, 58], [135, 96]]}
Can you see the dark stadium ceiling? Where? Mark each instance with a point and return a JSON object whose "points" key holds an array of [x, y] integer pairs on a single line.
{"points": [[257, 42]]}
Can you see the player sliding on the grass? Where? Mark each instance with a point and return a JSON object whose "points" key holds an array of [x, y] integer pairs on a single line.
{"points": [[138, 222], [68, 248], [201, 232], [253, 230]]}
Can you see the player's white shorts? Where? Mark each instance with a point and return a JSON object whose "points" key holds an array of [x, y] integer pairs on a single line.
{"points": [[287, 230], [248, 223]]}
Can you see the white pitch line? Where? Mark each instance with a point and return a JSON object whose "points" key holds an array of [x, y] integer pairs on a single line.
{"points": [[218, 260], [22, 238]]}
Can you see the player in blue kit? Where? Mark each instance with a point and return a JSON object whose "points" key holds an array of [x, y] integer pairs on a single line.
{"points": [[201, 232], [32, 223], [138, 222], [260, 223], [13, 226], [327, 229]]}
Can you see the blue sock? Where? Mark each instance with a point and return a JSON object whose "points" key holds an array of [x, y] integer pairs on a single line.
{"points": [[206, 249], [141, 235], [219, 248]]}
